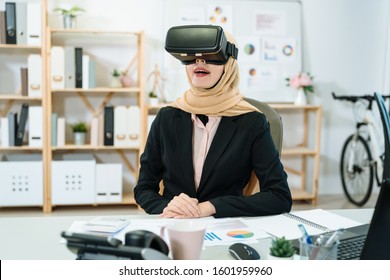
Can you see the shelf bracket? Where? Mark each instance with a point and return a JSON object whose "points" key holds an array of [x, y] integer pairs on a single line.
{"points": [[89, 105], [7, 107], [103, 104], [127, 163]]}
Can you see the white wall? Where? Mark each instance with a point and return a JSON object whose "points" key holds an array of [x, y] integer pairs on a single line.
{"points": [[344, 47]]}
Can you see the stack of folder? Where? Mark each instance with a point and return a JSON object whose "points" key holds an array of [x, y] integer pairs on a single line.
{"points": [[20, 23], [72, 68], [118, 126], [13, 130]]}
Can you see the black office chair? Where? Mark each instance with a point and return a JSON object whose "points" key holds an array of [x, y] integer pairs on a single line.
{"points": [[276, 127]]}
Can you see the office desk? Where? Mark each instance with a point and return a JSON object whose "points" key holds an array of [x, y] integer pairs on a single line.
{"points": [[37, 238]]}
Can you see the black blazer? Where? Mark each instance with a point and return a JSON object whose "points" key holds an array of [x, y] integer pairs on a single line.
{"points": [[241, 144]]}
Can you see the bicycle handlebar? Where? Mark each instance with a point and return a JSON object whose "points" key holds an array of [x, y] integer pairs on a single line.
{"points": [[354, 98]]}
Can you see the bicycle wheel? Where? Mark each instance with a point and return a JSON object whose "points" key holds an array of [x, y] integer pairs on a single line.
{"points": [[357, 182]]}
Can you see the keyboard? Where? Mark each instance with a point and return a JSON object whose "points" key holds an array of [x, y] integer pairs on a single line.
{"points": [[350, 249]]}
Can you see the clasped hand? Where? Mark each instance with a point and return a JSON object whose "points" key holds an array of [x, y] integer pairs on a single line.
{"points": [[183, 206]]}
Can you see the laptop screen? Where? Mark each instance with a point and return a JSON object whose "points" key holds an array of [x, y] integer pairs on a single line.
{"points": [[377, 244]]}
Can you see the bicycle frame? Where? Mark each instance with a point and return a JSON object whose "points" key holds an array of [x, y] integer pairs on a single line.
{"points": [[377, 152]]}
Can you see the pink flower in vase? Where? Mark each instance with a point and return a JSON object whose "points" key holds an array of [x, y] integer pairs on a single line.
{"points": [[301, 80], [125, 80]]}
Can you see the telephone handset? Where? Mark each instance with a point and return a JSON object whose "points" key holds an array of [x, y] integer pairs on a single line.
{"points": [[139, 245]]}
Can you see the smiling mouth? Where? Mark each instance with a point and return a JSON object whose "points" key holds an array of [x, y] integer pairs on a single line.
{"points": [[201, 71]]}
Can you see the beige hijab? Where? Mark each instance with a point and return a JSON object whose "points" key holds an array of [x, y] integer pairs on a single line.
{"points": [[224, 99]]}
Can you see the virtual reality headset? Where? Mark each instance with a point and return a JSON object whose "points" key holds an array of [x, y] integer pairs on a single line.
{"points": [[190, 42]]}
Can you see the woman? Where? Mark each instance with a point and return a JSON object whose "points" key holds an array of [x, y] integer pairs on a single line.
{"points": [[204, 148]]}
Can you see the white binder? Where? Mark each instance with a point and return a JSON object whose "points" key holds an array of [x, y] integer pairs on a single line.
{"points": [[101, 130], [21, 23], [60, 132], [34, 25], [108, 182], [85, 82], [70, 67], [120, 126], [57, 62], [34, 63], [35, 125], [57, 67], [4, 132], [150, 121], [94, 132], [134, 129]]}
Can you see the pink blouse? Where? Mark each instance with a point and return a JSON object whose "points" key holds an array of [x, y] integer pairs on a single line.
{"points": [[202, 138]]}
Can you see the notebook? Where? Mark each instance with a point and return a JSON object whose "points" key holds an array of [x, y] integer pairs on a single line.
{"points": [[316, 221]]}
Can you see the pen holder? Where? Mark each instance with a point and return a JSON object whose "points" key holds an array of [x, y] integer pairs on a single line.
{"points": [[317, 252]]}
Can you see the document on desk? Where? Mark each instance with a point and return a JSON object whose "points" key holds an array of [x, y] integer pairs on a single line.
{"points": [[231, 230], [316, 221], [218, 231], [106, 224]]}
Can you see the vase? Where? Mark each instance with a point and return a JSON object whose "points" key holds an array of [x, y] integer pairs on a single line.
{"points": [[79, 138], [115, 82], [125, 80], [69, 22], [301, 97], [153, 101], [270, 257]]}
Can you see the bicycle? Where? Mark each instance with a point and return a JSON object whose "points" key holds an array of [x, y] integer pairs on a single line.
{"points": [[362, 155]]}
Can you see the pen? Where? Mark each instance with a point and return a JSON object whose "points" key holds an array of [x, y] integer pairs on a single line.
{"points": [[305, 236], [334, 237], [319, 240]]}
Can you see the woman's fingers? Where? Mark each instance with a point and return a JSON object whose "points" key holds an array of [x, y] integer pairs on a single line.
{"points": [[187, 204], [183, 205]]}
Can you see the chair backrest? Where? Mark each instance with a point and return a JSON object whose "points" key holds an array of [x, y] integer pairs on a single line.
{"points": [[274, 120], [276, 127]]}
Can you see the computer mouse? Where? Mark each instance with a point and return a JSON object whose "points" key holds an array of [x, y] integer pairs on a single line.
{"points": [[241, 251]]}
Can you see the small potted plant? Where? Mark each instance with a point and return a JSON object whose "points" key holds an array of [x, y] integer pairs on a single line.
{"points": [[69, 15], [79, 130], [115, 79], [153, 99], [281, 248]]}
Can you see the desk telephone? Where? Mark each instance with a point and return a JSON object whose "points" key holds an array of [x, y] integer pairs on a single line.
{"points": [[139, 245]]}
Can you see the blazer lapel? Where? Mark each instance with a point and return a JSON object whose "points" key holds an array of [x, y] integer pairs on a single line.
{"points": [[225, 132], [183, 127]]}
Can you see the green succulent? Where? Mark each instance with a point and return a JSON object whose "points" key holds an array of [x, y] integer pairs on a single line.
{"points": [[152, 94], [282, 248], [116, 73], [79, 127], [72, 12]]}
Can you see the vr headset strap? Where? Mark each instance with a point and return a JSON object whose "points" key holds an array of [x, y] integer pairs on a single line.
{"points": [[232, 50]]}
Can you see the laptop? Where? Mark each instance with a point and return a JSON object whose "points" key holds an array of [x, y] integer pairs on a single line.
{"points": [[367, 241]]}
